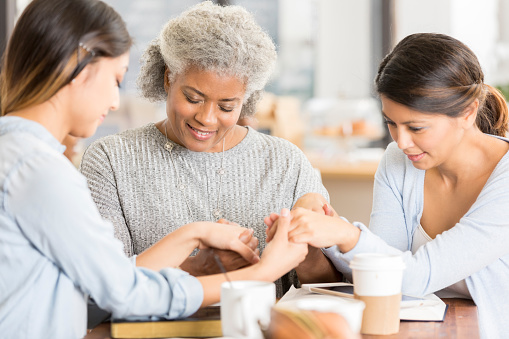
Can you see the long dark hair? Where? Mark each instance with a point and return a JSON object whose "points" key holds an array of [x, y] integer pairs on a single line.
{"points": [[436, 73], [51, 44]]}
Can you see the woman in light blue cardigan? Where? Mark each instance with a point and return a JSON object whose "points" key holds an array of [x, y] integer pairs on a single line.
{"points": [[441, 194]]}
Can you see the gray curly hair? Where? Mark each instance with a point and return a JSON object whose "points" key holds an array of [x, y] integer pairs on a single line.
{"points": [[226, 40]]}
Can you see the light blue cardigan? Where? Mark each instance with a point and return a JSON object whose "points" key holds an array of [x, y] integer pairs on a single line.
{"points": [[475, 249]]}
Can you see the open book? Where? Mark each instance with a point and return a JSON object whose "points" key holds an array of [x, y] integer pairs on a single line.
{"points": [[205, 323], [427, 308]]}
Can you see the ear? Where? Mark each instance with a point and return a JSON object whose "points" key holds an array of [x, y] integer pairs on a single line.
{"points": [[166, 79], [81, 77], [470, 114]]}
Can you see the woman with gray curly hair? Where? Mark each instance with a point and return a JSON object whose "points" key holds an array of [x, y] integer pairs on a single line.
{"points": [[210, 65]]}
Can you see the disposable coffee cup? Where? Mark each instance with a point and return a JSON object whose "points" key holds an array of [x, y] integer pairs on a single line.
{"points": [[377, 280]]}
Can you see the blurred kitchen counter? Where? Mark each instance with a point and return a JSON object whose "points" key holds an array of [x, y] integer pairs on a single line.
{"points": [[349, 181]]}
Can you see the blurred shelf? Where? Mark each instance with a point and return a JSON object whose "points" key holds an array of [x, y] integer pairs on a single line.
{"points": [[340, 168]]}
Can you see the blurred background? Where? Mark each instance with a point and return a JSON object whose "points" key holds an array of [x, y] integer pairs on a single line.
{"points": [[321, 95]]}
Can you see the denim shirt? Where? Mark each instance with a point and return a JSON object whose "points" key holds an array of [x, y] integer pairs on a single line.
{"points": [[55, 249]]}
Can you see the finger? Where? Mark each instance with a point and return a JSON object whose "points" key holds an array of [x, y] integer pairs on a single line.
{"points": [[246, 236], [223, 221], [245, 251], [327, 210], [253, 243], [267, 221], [271, 232], [301, 238]]}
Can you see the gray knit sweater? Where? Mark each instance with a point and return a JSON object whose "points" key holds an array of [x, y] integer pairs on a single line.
{"points": [[135, 186]]}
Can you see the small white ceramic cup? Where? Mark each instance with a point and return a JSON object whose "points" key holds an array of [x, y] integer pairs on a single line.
{"points": [[245, 305]]}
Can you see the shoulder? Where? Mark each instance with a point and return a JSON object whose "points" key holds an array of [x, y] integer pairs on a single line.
{"points": [[124, 144], [127, 137], [273, 144]]}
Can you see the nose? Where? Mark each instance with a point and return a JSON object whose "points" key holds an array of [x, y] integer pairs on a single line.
{"points": [[116, 100], [403, 138], [207, 114]]}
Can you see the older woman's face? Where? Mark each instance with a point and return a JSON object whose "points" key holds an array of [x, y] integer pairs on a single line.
{"points": [[202, 107]]}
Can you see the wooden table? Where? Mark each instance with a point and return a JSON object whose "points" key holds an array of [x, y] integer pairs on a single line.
{"points": [[460, 322]]}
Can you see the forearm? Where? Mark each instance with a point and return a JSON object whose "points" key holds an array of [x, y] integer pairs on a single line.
{"points": [[190, 266], [317, 268], [181, 242], [212, 283]]}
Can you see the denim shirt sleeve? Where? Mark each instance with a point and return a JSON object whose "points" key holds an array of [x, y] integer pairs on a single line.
{"points": [[51, 204]]}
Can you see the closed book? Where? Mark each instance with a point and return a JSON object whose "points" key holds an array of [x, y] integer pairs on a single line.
{"points": [[205, 323]]}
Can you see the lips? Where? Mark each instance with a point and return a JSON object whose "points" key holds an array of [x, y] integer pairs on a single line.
{"points": [[200, 134], [415, 157]]}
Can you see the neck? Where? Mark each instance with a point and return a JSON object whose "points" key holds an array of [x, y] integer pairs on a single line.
{"points": [[474, 157], [48, 115]]}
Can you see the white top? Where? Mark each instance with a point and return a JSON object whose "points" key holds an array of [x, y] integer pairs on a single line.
{"points": [[457, 290]]}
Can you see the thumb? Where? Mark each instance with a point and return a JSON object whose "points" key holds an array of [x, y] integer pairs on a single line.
{"points": [[284, 224]]}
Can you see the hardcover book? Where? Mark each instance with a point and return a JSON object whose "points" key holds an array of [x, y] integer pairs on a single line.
{"points": [[204, 323]]}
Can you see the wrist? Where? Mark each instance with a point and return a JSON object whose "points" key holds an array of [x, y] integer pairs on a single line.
{"points": [[350, 238], [196, 233], [262, 272]]}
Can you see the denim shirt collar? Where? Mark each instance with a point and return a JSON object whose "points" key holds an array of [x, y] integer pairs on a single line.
{"points": [[10, 124]]}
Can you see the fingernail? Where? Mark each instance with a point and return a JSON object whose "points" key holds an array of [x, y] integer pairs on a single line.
{"points": [[285, 212], [244, 238]]}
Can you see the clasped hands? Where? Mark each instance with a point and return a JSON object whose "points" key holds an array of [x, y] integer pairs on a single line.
{"points": [[317, 224], [313, 223]]}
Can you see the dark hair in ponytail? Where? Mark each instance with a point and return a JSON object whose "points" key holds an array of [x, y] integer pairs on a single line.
{"points": [[436, 73], [52, 43]]}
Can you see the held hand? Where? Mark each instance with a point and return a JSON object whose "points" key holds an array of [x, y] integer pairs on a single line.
{"points": [[330, 211], [230, 237], [271, 222], [320, 230], [281, 255], [311, 201]]}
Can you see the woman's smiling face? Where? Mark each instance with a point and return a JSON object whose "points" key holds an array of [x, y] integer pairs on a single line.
{"points": [[428, 139], [202, 107]]}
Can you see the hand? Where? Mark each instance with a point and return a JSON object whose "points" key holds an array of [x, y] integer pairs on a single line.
{"points": [[320, 230], [312, 201], [234, 251], [281, 255]]}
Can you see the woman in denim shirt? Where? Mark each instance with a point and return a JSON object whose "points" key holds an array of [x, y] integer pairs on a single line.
{"points": [[61, 73]]}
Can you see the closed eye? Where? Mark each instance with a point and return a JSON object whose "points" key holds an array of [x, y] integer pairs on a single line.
{"points": [[224, 109], [191, 100], [389, 122]]}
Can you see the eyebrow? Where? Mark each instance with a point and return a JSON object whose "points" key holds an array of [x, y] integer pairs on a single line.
{"points": [[203, 95], [403, 123]]}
